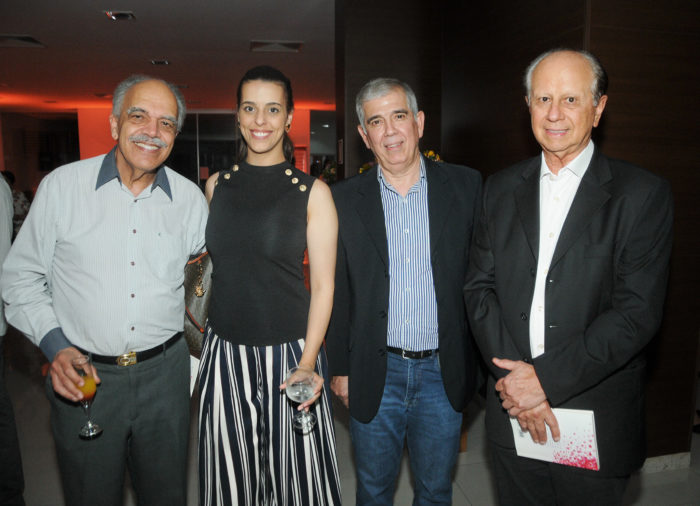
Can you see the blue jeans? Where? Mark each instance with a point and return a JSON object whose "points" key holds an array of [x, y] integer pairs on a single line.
{"points": [[414, 407]]}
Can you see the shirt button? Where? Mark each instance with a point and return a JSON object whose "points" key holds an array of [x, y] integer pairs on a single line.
{"points": [[405, 231], [132, 263], [133, 328], [407, 321], [134, 231], [551, 234], [408, 260], [133, 295], [540, 346], [523, 316]]}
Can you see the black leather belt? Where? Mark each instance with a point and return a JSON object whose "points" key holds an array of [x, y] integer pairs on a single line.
{"points": [[134, 357], [411, 354]]}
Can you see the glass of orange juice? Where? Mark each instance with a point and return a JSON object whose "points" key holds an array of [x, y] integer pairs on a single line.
{"points": [[81, 364]]}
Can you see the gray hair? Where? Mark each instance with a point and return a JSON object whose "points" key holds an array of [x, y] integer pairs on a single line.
{"points": [[123, 87], [379, 87], [599, 86]]}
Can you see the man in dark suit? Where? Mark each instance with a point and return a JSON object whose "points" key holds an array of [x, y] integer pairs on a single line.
{"points": [[398, 344], [565, 288]]}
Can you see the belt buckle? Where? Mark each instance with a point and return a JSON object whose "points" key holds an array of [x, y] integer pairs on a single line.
{"points": [[127, 359], [403, 354]]}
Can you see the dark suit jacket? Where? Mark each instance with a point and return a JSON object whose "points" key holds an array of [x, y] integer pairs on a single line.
{"points": [[356, 341], [603, 302]]}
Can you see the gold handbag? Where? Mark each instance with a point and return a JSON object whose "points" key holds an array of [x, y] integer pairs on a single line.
{"points": [[197, 294]]}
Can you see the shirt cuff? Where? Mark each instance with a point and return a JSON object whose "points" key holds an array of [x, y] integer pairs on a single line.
{"points": [[53, 342]]}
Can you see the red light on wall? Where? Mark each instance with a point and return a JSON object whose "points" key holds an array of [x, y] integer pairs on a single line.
{"points": [[23, 101], [314, 106]]}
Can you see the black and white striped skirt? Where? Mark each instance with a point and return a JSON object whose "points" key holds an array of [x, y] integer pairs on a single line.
{"points": [[249, 453]]}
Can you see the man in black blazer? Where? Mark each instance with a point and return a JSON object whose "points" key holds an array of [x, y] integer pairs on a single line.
{"points": [[565, 288], [398, 344]]}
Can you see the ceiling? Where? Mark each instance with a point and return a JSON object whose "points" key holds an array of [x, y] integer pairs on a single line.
{"points": [[207, 45]]}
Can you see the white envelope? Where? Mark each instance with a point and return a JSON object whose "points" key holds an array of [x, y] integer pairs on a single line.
{"points": [[576, 447]]}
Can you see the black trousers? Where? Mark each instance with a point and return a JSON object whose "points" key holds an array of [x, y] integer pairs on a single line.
{"points": [[11, 476], [522, 481]]}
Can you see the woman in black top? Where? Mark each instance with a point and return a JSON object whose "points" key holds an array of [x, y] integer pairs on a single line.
{"points": [[264, 214]]}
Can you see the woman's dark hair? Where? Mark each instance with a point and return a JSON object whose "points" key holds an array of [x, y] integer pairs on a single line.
{"points": [[272, 75]]}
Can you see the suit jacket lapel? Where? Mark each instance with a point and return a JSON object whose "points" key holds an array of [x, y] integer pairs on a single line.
{"points": [[590, 197], [369, 208], [440, 197], [527, 201]]}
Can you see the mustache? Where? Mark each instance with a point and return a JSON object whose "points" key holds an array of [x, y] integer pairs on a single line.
{"points": [[151, 140]]}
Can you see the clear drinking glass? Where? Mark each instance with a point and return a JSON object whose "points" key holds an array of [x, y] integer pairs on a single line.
{"points": [[300, 388], [90, 430]]}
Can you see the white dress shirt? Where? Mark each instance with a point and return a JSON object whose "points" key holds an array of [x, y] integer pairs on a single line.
{"points": [[98, 268], [556, 195]]}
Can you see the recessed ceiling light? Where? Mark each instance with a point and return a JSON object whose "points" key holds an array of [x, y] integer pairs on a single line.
{"points": [[120, 15], [326, 125], [162, 61], [275, 46]]}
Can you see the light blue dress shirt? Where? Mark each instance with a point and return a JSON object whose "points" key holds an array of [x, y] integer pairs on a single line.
{"points": [[98, 268], [6, 214], [413, 323]]}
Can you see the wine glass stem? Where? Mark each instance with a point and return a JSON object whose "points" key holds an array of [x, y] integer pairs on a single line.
{"points": [[86, 408]]}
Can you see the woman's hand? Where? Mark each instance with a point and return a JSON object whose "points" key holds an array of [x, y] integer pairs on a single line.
{"points": [[317, 382]]}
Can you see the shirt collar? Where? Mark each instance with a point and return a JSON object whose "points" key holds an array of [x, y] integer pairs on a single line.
{"points": [[577, 166], [383, 181], [108, 171]]}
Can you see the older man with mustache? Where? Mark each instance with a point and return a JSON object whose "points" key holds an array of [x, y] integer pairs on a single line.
{"points": [[97, 269]]}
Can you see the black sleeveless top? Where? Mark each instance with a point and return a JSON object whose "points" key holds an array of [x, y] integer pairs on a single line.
{"points": [[256, 236]]}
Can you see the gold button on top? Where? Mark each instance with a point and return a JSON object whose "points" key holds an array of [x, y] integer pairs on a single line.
{"points": [[302, 188], [235, 168], [288, 172], [227, 176], [295, 180]]}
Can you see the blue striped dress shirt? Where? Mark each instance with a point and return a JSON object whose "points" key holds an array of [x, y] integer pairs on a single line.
{"points": [[413, 323]]}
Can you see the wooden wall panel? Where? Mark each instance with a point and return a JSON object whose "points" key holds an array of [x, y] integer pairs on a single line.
{"points": [[487, 46], [392, 38], [652, 119]]}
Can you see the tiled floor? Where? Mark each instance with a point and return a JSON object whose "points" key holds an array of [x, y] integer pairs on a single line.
{"points": [[473, 481]]}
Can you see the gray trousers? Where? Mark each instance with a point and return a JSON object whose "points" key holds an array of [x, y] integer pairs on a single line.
{"points": [[144, 412]]}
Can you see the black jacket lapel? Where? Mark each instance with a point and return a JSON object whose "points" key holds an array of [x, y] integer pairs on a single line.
{"points": [[590, 197], [527, 201], [369, 208]]}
